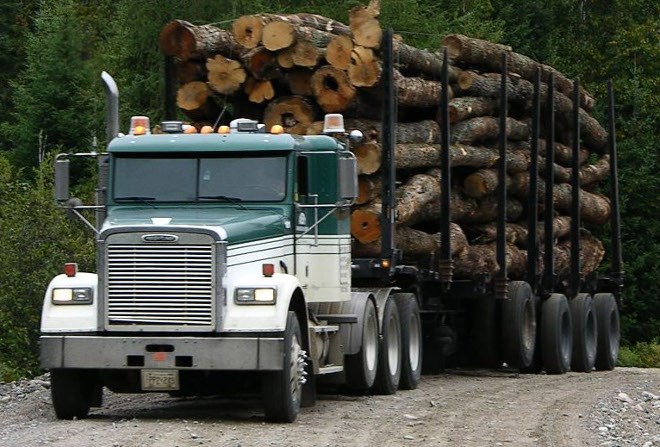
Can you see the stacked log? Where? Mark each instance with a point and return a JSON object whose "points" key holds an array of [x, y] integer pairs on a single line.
{"points": [[290, 69]]}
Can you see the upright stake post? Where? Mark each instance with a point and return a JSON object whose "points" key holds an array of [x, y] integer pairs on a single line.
{"points": [[575, 194], [548, 212], [446, 266], [615, 218], [501, 280], [533, 197]]}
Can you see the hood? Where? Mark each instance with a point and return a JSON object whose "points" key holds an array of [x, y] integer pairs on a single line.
{"points": [[240, 225]]}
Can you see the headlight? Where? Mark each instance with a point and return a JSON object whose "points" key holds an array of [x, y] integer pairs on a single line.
{"points": [[72, 296], [255, 296]]}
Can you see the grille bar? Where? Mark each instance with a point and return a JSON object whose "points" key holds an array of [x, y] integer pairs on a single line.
{"points": [[160, 285]]}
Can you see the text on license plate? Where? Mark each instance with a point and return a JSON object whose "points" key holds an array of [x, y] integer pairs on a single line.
{"points": [[159, 380]]}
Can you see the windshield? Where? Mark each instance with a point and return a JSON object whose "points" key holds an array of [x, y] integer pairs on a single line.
{"points": [[185, 179]]}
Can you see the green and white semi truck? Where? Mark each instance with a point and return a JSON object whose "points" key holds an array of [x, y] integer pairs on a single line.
{"points": [[224, 265]]}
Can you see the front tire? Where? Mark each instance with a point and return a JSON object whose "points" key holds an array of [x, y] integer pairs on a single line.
{"points": [[411, 340], [609, 333], [72, 392], [556, 334], [584, 333], [282, 390], [389, 351]]}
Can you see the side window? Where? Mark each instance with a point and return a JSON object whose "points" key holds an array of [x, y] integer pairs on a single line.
{"points": [[302, 177]]}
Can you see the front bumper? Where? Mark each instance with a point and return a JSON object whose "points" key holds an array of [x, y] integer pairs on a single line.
{"points": [[194, 353]]}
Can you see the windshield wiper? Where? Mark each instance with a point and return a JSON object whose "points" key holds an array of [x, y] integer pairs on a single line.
{"points": [[221, 198], [142, 199]]}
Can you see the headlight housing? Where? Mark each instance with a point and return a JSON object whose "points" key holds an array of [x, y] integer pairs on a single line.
{"points": [[78, 295], [255, 295]]}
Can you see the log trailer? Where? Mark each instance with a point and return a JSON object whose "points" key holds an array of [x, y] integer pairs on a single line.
{"points": [[224, 265]]}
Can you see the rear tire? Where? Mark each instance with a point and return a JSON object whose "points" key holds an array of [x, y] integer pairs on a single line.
{"points": [[389, 351], [519, 325], [72, 392], [537, 360], [411, 340], [556, 334], [361, 368], [584, 333], [609, 335], [282, 390]]}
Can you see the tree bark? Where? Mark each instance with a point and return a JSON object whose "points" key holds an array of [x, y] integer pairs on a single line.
{"points": [[421, 62], [299, 82], [471, 106], [426, 131], [185, 41], [486, 128], [516, 233], [191, 70], [482, 259], [419, 192], [369, 188]]}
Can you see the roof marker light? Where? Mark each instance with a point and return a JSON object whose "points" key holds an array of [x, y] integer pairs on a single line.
{"points": [[224, 129], [187, 128], [206, 129], [277, 129]]}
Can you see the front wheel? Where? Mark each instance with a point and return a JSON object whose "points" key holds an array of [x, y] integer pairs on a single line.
{"points": [[282, 390], [72, 392]]}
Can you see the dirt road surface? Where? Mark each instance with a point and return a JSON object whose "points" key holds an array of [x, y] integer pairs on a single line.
{"points": [[458, 408]]}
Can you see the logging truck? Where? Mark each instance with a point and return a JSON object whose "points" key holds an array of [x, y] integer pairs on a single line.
{"points": [[225, 265]]}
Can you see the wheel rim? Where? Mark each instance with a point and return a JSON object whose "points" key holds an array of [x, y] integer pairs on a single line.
{"points": [[393, 345], [297, 365], [529, 326], [371, 342], [414, 343]]}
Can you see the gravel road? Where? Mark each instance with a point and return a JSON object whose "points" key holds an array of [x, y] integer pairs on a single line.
{"points": [[459, 408]]}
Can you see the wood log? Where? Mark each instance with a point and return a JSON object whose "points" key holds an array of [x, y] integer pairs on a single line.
{"points": [[486, 128], [338, 52], [196, 102], [594, 208], [191, 70], [471, 106], [519, 91], [369, 188], [285, 58], [563, 153], [516, 233], [185, 41], [482, 260], [415, 244], [294, 113], [249, 30], [592, 253], [419, 192], [421, 62], [364, 25], [418, 92], [365, 68], [261, 63], [259, 91], [368, 157], [307, 54], [487, 55], [596, 172], [332, 89], [300, 82], [225, 76], [426, 131], [280, 33]]}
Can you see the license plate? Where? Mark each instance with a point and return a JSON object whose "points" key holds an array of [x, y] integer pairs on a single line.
{"points": [[159, 380]]}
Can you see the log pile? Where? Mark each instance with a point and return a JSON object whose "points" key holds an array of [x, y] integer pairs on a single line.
{"points": [[290, 69]]}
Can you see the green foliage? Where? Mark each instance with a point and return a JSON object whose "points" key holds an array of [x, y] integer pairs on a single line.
{"points": [[35, 240], [641, 355]]}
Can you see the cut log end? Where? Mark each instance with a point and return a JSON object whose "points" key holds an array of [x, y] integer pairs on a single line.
{"points": [[339, 51], [368, 157], [259, 91], [294, 113], [365, 225], [278, 35], [364, 69], [225, 76], [248, 30], [177, 39], [332, 89]]}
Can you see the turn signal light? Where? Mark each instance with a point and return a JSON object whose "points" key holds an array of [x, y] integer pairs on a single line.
{"points": [[268, 270], [70, 269]]}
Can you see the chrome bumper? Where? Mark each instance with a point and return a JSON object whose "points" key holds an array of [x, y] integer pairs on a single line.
{"points": [[198, 353]]}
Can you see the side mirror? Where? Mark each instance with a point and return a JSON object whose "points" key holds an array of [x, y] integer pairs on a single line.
{"points": [[348, 181], [61, 180]]}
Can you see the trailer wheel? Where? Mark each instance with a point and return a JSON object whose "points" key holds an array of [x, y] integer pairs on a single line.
{"points": [[519, 325], [607, 322], [361, 368], [389, 351], [536, 366], [556, 334], [584, 333], [72, 392], [411, 340], [282, 390]]}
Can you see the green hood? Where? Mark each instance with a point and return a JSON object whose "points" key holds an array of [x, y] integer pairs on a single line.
{"points": [[240, 225]]}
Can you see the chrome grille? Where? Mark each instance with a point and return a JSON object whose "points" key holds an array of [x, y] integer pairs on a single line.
{"points": [[161, 285]]}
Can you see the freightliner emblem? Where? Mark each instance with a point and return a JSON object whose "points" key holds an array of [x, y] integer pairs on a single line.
{"points": [[160, 238]]}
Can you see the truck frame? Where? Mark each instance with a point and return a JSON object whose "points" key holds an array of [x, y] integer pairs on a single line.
{"points": [[224, 266]]}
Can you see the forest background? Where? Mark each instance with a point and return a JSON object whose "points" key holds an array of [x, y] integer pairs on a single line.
{"points": [[51, 100]]}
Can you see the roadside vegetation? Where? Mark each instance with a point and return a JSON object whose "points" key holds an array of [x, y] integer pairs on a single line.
{"points": [[53, 52]]}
